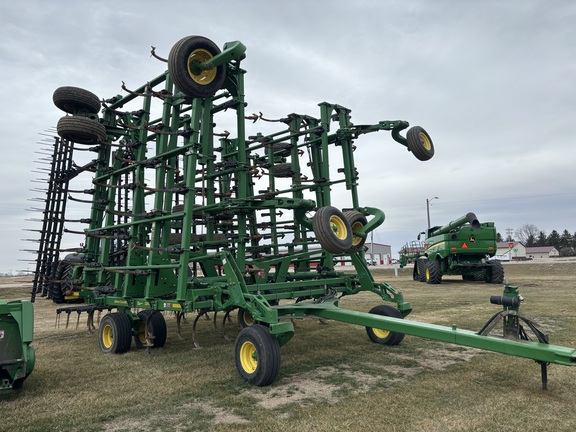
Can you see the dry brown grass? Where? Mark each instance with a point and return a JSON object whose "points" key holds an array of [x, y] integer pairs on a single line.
{"points": [[332, 377]]}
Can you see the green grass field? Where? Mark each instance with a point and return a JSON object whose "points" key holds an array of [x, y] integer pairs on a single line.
{"points": [[332, 378]]}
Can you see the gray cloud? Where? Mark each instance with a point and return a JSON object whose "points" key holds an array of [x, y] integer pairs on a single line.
{"points": [[491, 81]]}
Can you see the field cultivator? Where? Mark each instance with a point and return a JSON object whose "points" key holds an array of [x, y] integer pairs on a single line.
{"points": [[188, 217]]}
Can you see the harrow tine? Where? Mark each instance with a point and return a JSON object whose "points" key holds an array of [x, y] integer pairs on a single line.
{"points": [[226, 317], [194, 343], [179, 316]]}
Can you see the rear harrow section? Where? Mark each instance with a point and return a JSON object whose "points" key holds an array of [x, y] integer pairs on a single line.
{"points": [[197, 206]]}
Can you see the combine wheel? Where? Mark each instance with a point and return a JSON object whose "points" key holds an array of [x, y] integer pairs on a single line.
{"points": [[385, 337], [257, 355], [332, 230], [469, 277], [183, 60], [245, 318], [74, 100], [495, 273], [433, 273], [115, 334], [156, 329], [420, 143], [422, 263], [357, 221], [81, 130]]}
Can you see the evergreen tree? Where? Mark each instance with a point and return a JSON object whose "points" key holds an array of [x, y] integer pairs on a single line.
{"points": [[499, 237], [541, 241], [553, 239]]}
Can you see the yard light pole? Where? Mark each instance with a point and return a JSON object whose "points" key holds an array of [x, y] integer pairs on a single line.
{"points": [[428, 208]]}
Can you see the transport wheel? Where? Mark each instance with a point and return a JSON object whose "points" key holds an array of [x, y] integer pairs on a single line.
{"points": [[495, 273], [157, 328], [81, 130], [257, 355], [357, 221], [283, 170], [385, 337], [422, 263], [332, 230], [245, 318], [433, 273], [184, 57], [420, 143], [115, 334], [74, 100]]}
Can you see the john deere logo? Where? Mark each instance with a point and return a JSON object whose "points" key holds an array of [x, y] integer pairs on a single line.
{"points": [[472, 239]]}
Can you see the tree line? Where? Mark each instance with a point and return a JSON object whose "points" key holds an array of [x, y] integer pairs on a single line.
{"points": [[531, 236]]}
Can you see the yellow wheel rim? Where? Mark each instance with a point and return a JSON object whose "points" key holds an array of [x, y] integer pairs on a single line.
{"points": [[107, 336], [142, 332], [381, 334], [195, 58], [247, 318], [427, 273], [357, 226], [425, 141], [248, 357], [338, 227]]}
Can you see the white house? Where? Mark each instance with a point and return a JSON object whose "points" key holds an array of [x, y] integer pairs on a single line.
{"points": [[542, 252]]}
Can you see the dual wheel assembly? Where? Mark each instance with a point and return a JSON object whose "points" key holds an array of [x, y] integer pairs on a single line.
{"points": [[117, 331], [334, 229]]}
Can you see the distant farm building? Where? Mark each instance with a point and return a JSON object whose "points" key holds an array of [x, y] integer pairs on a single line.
{"points": [[542, 252], [510, 251], [380, 253]]}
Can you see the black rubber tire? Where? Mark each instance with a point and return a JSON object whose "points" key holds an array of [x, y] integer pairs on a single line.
{"points": [[202, 49], [385, 337], [283, 170], [422, 263], [332, 230], [60, 285], [74, 100], [433, 273], [81, 130], [157, 328], [420, 143], [469, 277], [416, 272], [245, 318], [496, 272], [357, 221], [115, 334], [257, 355]]}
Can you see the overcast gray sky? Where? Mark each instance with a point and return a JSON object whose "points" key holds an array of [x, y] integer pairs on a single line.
{"points": [[493, 83]]}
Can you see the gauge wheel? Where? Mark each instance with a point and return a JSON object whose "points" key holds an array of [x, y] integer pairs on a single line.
{"points": [[257, 355], [332, 230], [357, 221], [183, 61], [74, 100], [385, 337], [115, 334], [81, 130], [156, 329], [420, 143]]}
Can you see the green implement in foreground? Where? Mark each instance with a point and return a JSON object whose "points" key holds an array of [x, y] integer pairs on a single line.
{"points": [[17, 356], [188, 212]]}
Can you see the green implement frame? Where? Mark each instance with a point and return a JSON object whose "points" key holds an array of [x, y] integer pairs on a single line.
{"points": [[186, 216], [17, 357]]}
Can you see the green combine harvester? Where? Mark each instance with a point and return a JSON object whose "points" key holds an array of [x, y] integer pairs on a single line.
{"points": [[190, 213], [463, 247], [17, 356]]}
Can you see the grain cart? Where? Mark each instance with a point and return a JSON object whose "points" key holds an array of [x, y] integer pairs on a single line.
{"points": [[463, 247], [189, 212], [17, 356]]}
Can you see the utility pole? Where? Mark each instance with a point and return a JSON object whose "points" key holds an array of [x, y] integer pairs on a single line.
{"points": [[428, 209]]}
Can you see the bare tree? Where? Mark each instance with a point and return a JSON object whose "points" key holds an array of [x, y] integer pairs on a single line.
{"points": [[527, 232]]}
